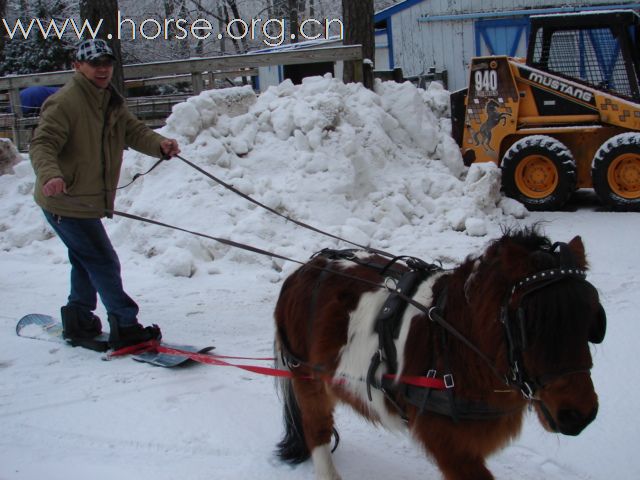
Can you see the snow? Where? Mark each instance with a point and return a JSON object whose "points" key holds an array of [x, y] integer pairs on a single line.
{"points": [[375, 168]]}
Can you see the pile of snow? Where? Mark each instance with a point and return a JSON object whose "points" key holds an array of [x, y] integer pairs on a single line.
{"points": [[365, 166], [359, 164], [9, 156]]}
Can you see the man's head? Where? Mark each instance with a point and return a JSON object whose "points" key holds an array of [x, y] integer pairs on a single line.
{"points": [[94, 59]]}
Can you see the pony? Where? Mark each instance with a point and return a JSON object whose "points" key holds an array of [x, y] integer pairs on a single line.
{"points": [[453, 356]]}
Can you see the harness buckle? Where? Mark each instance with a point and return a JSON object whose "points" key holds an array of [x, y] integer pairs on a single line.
{"points": [[448, 381], [431, 373], [527, 391], [391, 284], [434, 313]]}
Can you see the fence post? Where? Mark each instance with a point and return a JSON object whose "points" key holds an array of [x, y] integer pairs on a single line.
{"points": [[197, 82], [16, 109]]}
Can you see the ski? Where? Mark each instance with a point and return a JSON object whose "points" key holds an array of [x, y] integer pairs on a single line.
{"points": [[39, 326]]}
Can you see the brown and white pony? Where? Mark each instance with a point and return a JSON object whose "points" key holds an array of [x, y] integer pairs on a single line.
{"points": [[505, 329]]}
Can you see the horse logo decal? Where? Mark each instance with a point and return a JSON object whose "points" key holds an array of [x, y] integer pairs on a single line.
{"points": [[482, 137]]}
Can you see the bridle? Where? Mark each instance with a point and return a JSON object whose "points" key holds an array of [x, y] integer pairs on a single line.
{"points": [[513, 318]]}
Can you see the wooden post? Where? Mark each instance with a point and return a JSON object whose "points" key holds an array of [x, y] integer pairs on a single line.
{"points": [[197, 83], [358, 71], [16, 108]]}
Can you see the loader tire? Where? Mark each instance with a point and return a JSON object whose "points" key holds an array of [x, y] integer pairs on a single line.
{"points": [[540, 172], [615, 172]]}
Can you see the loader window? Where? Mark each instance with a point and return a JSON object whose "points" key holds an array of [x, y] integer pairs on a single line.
{"points": [[591, 56]]}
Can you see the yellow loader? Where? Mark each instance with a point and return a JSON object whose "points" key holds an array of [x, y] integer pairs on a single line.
{"points": [[566, 117]]}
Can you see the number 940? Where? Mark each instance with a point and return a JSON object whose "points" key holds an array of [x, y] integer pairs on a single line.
{"points": [[486, 80]]}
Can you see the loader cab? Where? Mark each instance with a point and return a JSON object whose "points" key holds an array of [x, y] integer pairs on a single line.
{"points": [[597, 49]]}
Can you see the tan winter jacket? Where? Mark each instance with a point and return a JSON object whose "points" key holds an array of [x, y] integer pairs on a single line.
{"points": [[82, 133]]}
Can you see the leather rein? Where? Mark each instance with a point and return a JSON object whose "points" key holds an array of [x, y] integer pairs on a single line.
{"points": [[516, 378]]}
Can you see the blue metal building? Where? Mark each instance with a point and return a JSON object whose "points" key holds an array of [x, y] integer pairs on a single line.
{"points": [[418, 35]]}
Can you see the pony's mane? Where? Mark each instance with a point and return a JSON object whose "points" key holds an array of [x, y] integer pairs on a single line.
{"points": [[543, 253], [507, 259], [529, 237]]}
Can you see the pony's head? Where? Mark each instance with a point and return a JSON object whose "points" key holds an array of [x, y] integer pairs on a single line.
{"points": [[550, 314]]}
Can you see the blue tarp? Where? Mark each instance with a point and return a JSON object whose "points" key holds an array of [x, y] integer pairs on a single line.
{"points": [[32, 98]]}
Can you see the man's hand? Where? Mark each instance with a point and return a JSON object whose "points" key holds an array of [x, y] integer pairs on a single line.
{"points": [[53, 187], [169, 147]]}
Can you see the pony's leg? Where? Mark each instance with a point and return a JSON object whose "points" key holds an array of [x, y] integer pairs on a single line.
{"points": [[316, 408], [463, 468], [322, 463], [454, 451]]}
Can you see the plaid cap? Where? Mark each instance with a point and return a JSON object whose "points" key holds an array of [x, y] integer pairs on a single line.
{"points": [[93, 49]]}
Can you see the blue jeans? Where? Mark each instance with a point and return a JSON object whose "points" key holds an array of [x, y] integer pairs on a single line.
{"points": [[95, 267]]}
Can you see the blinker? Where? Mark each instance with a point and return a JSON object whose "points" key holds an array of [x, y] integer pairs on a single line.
{"points": [[522, 328], [599, 328]]}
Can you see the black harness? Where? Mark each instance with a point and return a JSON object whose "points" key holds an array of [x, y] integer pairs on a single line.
{"points": [[441, 401], [389, 320], [406, 280]]}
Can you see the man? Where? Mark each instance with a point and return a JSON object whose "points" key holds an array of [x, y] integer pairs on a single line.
{"points": [[76, 152]]}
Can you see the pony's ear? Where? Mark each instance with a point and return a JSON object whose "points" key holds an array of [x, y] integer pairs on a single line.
{"points": [[577, 248]]}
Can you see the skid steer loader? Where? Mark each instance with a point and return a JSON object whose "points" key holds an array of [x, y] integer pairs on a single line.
{"points": [[567, 117]]}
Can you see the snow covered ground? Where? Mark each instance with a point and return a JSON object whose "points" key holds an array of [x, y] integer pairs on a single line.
{"points": [[374, 168]]}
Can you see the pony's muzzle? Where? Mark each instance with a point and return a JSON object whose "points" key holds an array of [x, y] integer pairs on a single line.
{"points": [[567, 420], [572, 422]]}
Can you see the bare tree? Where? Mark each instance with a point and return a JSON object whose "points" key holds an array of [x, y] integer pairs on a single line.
{"points": [[106, 11], [3, 36], [293, 6], [358, 29], [226, 12], [177, 48], [311, 4], [232, 12]]}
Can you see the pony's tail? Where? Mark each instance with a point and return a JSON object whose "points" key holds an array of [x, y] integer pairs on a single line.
{"points": [[293, 447]]}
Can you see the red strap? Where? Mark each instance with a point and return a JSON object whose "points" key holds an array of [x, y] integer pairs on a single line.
{"points": [[261, 359], [213, 359], [426, 382], [133, 349]]}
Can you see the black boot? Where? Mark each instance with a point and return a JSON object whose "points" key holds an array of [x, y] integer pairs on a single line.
{"points": [[79, 323], [120, 337], [81, 328]]}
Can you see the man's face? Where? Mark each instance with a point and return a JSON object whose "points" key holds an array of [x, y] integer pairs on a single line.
{"points": [[98, 72]]}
